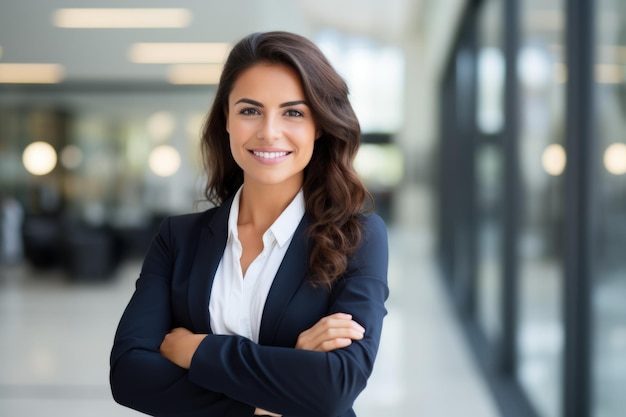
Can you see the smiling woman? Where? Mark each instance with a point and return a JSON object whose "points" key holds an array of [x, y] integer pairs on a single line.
{"points": [[271, 129], [274, 299]]}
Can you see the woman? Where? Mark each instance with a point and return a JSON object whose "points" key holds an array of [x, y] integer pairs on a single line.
{"points": [[272, 302]]}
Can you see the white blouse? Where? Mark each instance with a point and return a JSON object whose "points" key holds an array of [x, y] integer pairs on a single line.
{"points": [[236, 304]]}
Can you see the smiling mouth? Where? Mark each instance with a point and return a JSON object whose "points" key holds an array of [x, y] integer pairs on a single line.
{"points": [[270, 155]]}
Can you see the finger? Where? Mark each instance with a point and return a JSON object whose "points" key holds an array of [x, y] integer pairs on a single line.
{"points": [[328, 341], [345, 333], [330, 345], [356, 326], [336, 323], [340, 316], [331, 330], [343, 324]]}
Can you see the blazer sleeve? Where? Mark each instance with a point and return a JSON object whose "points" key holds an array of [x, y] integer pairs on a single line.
{"points": [[140, 377], [304, 383]]}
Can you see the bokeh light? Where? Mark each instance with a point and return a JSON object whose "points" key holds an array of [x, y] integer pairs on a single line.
{"points": [[164, 161], [71, 157], [554, 159], [615, 159], [39, 158], [161, 125]]}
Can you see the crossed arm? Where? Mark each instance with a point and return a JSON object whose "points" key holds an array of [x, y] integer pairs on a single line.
{"points": [[231, 375], [160, 369], [331, 332]]}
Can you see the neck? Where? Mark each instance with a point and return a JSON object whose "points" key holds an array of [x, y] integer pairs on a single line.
{"points": [[260, 205]]}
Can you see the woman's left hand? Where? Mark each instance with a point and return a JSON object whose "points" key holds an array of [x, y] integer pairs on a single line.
{"points": [[179, 345], [331, 332]]}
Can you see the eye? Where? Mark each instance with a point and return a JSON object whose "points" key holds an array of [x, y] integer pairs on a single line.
{"points": [[294, 113], [249, 111]]}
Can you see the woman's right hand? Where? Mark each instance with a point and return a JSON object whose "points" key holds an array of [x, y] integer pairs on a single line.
{"points": [[331, 332]]}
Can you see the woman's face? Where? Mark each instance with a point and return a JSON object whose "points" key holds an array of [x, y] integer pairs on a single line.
{"points": [[271, 127]]}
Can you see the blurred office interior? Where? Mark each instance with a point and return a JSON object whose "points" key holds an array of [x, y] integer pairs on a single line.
{"points": [[493, 142]]}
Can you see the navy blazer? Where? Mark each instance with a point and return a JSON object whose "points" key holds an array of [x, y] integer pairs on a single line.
{"points": [[231, 375]]}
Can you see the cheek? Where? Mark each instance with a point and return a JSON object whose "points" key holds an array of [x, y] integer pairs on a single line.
{"points": [[306, 135], [307, 148], [236, 133]]}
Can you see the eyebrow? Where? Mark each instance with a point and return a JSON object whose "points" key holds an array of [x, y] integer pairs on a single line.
{"points": [[286, 104]]}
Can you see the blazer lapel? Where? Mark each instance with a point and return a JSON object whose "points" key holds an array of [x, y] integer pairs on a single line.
{"points": [[211, 245], [291, 273]]}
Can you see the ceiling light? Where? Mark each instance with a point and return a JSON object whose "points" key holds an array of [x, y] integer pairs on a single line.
{"points": [[195, 74], [121, 18], [175, 53], [31, 73]]}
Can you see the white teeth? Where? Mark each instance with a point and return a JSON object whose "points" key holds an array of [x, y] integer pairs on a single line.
{"points": [[270, 155]]}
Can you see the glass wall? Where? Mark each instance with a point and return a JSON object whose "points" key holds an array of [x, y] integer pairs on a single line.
{"points": [[548, 199], [489, 166], [542, 164], [609, 233]]}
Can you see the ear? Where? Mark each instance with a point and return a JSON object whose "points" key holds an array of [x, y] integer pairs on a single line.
{"points": [[226, 117], [318, 134]]}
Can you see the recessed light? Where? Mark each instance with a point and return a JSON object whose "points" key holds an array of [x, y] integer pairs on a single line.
{"points": [[174, 53], [195, 74], [121, 18], [12, 73]]}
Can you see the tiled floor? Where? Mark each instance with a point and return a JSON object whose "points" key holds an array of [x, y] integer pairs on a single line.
{"points": [[56, 336]]}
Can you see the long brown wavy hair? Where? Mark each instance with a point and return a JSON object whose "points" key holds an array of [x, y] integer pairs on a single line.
{"points": [[335, 196]]}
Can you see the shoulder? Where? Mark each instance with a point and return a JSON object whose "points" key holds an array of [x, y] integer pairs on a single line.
{"points": [[372, 227], [373, 248], [371, 259]]}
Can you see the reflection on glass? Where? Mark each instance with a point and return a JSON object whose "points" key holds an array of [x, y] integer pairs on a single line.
{"points": [[609, 234], [490, 85], [489, 161], [489, 178], [542, 160]]}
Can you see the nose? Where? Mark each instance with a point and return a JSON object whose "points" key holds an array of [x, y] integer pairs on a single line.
{"points": [[269, 128]]}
